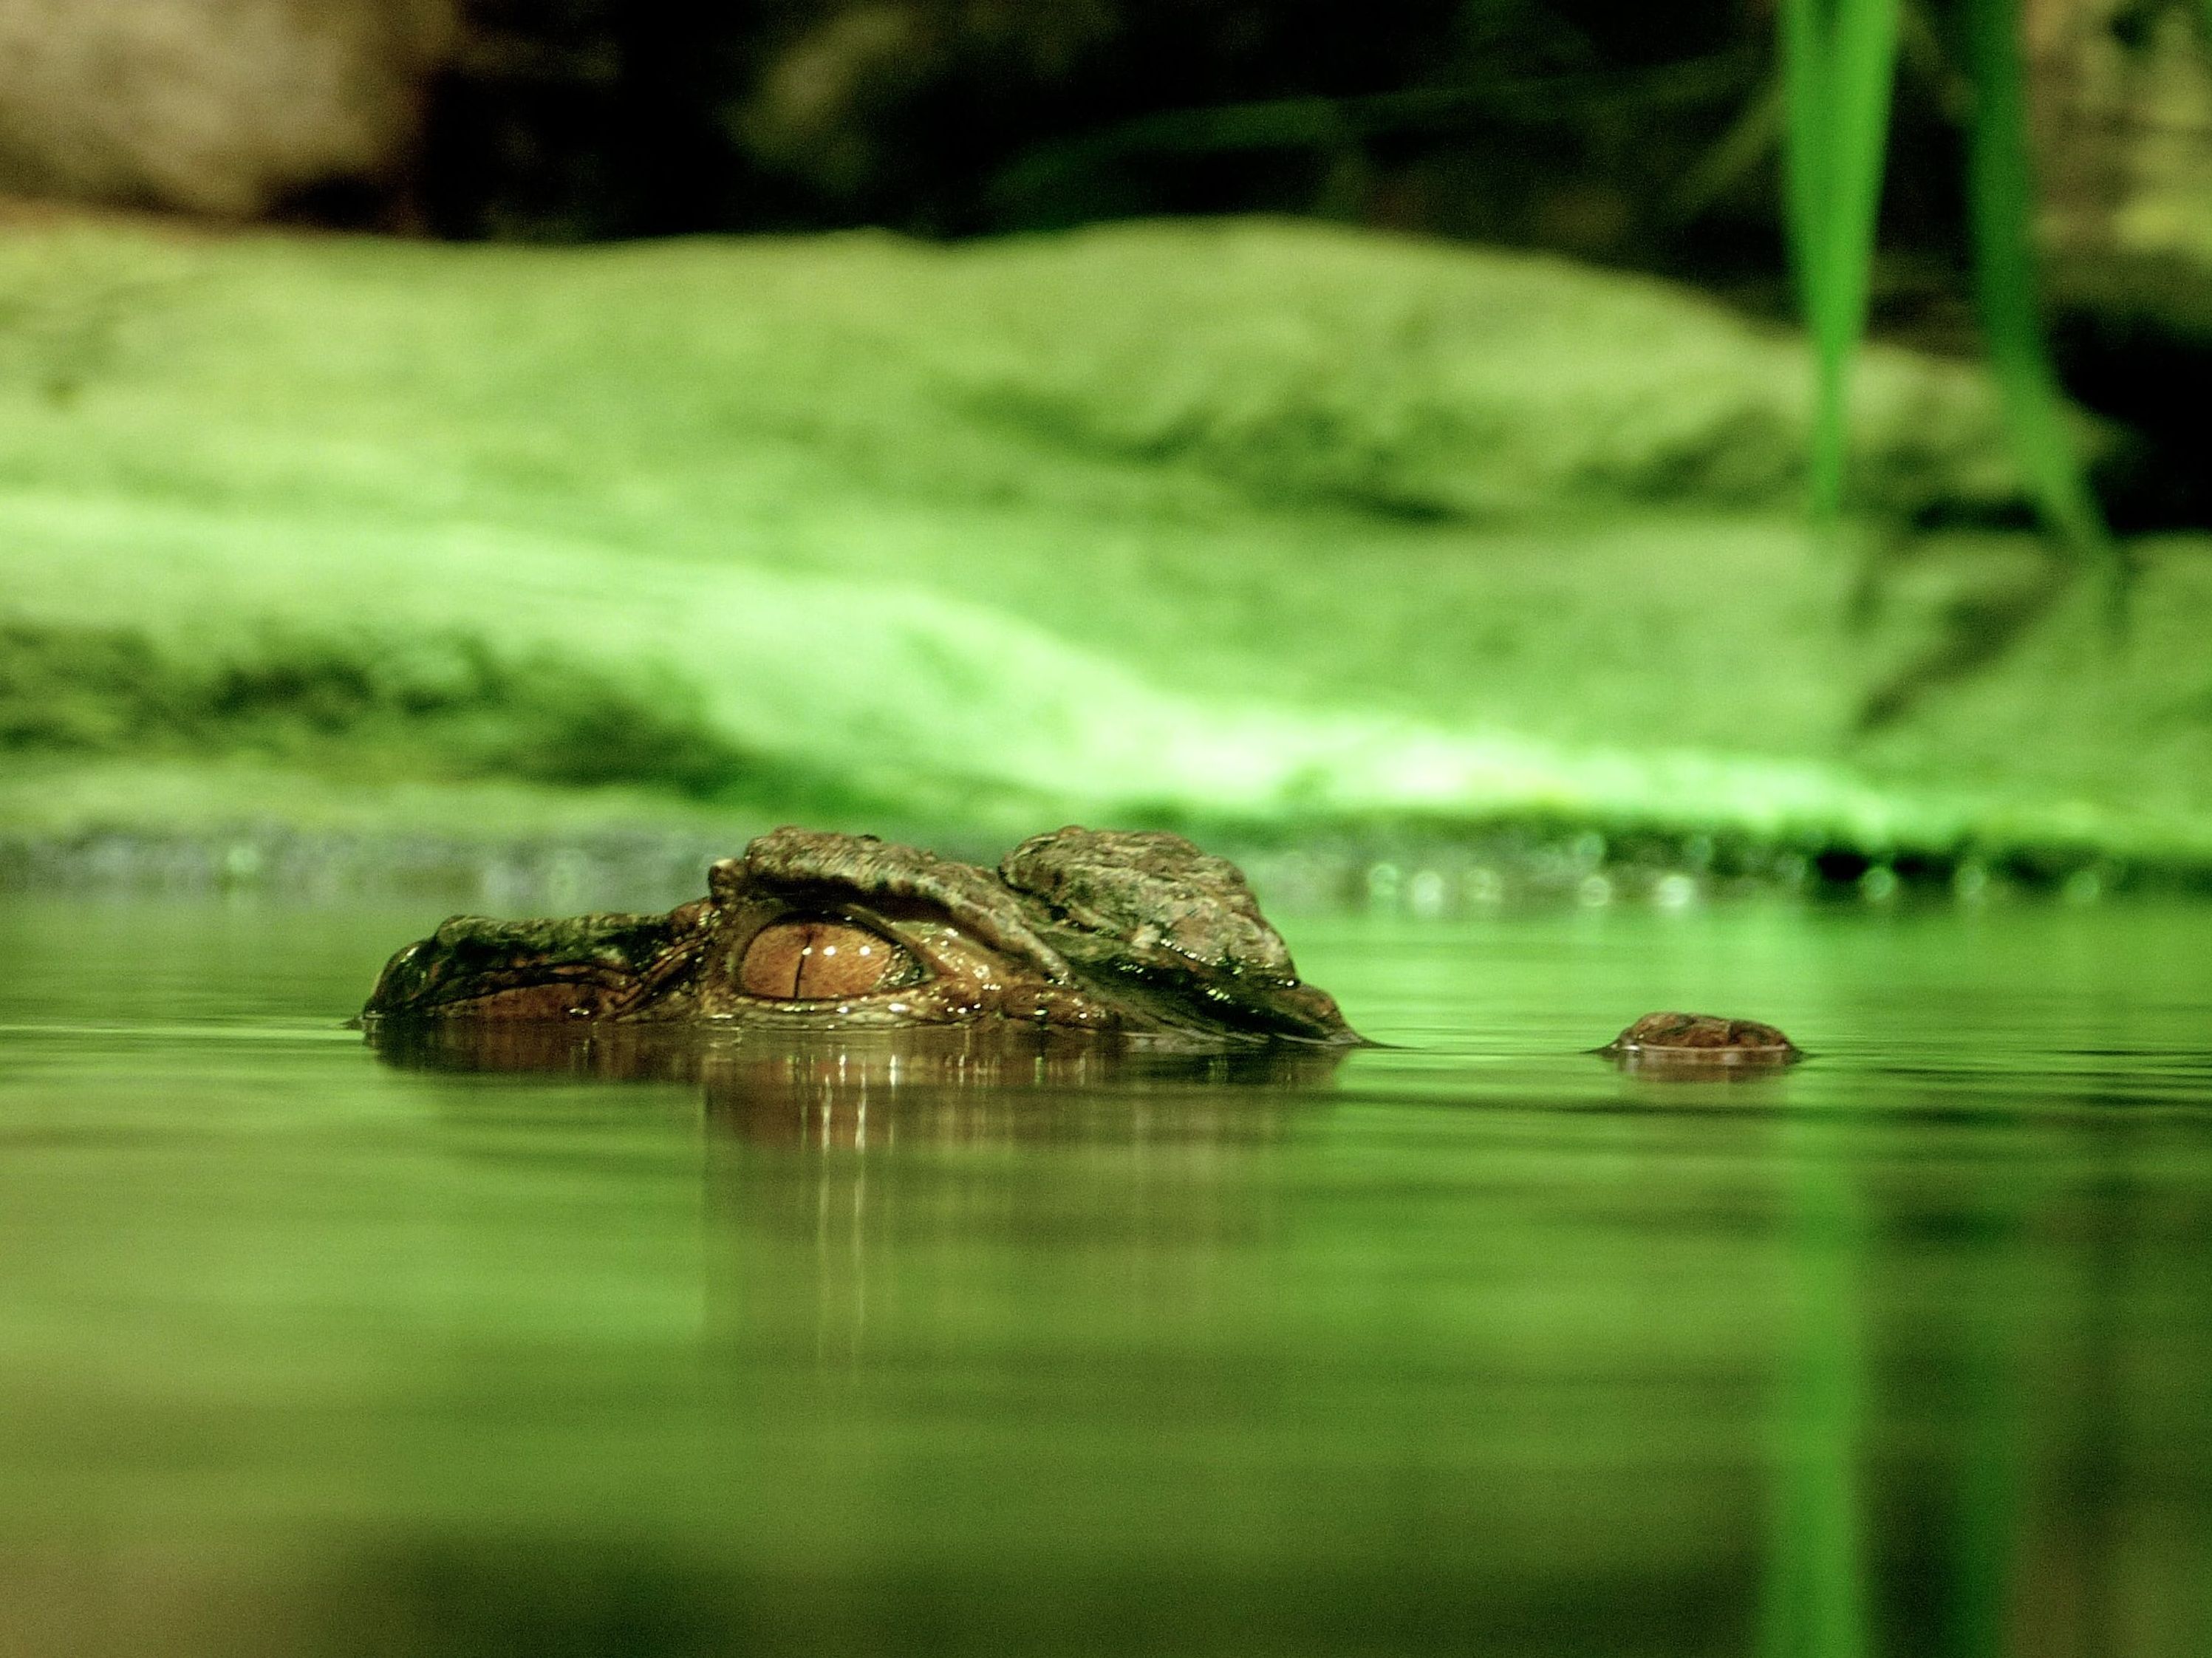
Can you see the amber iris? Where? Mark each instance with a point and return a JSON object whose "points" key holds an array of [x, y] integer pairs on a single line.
{"points": [[814, 961]]}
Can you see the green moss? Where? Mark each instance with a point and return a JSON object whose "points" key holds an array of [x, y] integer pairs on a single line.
{"points": [[425, 704], [1256, 524], [1418, 380], [1164, 370]]}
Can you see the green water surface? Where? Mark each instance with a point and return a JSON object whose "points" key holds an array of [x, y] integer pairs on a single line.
{"points": [[1468, 1345]]}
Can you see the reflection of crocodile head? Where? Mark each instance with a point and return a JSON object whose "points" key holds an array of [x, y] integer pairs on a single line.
{"points": [[1080, 930], [994, 1083]]}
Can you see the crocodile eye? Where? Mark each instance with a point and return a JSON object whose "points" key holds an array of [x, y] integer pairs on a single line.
{"points": [[819, 960]]}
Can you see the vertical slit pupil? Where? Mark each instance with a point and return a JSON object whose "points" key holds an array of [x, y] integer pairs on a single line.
{"points": [[814, 961]]}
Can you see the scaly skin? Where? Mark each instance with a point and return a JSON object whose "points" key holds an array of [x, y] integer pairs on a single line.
{"points": [[1076, 930]]}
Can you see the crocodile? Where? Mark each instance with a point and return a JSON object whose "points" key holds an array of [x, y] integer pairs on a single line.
{"points": [[1135, 933]]}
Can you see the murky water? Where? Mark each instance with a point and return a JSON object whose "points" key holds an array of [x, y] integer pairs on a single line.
{"points": [[1471, 1345]]}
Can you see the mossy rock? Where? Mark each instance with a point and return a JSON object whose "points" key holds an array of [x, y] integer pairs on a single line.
{"points": [[1306, 361], [1277, 524], [1291, 362]]}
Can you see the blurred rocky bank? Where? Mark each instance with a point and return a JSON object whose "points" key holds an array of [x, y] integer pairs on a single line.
{"points": [[1285, 533], [1644, 138], [1463, 570]]}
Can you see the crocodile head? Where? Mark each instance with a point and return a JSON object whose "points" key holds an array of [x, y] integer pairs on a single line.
{"points": [[1138, 933]]}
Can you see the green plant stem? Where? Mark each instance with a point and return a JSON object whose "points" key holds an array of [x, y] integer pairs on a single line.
{"points": [[1839, 61], [2001, 199]]}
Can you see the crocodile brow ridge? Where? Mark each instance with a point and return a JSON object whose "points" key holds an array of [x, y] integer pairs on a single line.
{"points": [[867, 867]]}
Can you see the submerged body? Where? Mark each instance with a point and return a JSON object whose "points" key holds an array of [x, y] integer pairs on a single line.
{"points": [[1079, 929]]}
